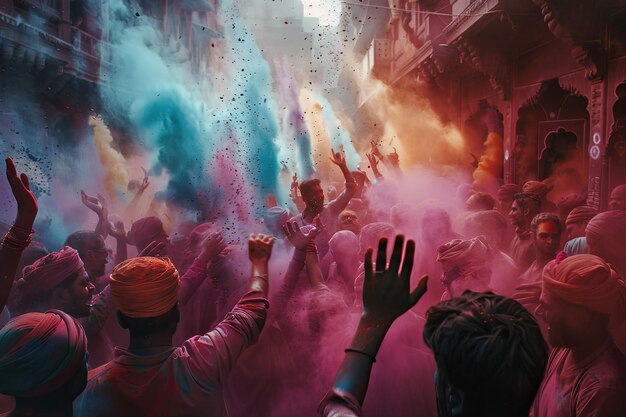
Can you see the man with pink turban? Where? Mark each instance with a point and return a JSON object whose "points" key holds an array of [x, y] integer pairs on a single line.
{"points": [[583, 302], [151, 377], [465, 265], [43, 362], [605, 235], [57, 280]]}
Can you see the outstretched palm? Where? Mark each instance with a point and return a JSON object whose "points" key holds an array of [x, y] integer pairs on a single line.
{"points": [[297, 238], [27, 207], [386, 291]]}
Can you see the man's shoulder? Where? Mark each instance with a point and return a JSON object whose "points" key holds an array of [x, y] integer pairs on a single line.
{"points": [[99, 373], [608, 371]]}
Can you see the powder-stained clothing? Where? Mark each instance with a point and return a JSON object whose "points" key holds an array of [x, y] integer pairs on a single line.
{"points": [[329, 217], [596, 388], [523, 250], [177, 381]]}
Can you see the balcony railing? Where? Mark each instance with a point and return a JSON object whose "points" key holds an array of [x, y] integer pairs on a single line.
{"points": [[42, 29]]}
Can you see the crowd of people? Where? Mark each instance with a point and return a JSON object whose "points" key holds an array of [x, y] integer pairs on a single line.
{"points": [[514, 306]]}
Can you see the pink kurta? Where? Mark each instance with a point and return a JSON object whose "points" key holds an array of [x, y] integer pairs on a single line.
{"points": [[177, 381], [596, 389]]}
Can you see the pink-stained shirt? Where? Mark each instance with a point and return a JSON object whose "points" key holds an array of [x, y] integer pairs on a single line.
{"points": [[595, 389], [178, 381]]}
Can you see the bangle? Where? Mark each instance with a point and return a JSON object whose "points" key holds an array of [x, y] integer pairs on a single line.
{"points": [[13, 241], [22, 230], [373, 358]]}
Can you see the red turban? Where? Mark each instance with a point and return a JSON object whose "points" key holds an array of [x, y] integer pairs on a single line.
{"points": [[609, 227], [144, 231], [590, 282], [145, 287], [536, 187], [39, 352], [581, 214], [49, 271], [509, 190]]}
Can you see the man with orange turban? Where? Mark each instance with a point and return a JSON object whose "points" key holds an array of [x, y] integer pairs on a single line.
{"points": [[43, 362], [541, 189], [151, 377], [583, 303], [577, 221]]}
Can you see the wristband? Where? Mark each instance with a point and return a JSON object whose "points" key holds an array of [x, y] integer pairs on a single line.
{"points": [[373, 358]]}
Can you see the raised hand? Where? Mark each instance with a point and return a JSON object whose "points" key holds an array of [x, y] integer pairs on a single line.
{"points": [[144, 184], [294, 181], [260, 247], [105, 208], [338, 158], [375, 151], [372, 160], [116, 230], [297, 238], [27, 207], [92, 203], [386, 291], [394, 158], [154, 249], [212, 245]]}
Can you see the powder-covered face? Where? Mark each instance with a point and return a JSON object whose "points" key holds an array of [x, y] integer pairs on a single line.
{"points": [[348, 220], [566, 323], [575, 230], [97, 258], [547, 238], [314, 198], [617, 200], [516, 214], [77, 298]]}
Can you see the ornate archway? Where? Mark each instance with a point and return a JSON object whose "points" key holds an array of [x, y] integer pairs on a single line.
{"points": [[552, 136]]}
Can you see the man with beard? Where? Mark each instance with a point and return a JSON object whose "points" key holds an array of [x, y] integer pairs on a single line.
{"points": [[56, 281], [583, 302], [92, 251], [489, 350], [524, 208], [313, 196], [546, 235]]}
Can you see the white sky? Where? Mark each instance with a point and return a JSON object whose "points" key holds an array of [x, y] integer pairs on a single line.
{"points": [[327, 11]]}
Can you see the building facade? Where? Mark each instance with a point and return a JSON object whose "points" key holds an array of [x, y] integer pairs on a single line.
{"points": [[554, 70]]}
